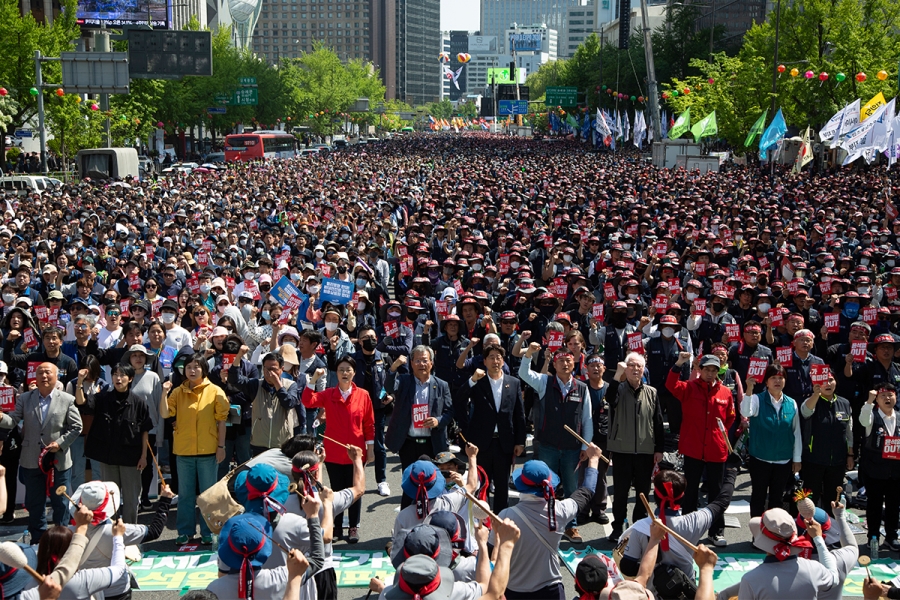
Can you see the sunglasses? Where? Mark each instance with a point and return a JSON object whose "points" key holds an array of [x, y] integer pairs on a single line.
{"points": [[113, 314], [199, 313]]}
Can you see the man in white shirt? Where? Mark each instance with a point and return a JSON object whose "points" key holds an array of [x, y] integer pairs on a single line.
{"points": [[176, 336]]}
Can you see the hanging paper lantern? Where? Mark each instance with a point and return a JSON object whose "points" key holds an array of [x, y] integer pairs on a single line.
{"points": [[860, 77], [809, 74], [77, 99], [675, 93], [640, 98], [823, 76], [665, 95], [608, 91], [687, 91], [33, 91], [632, 98], [604, 88], [881, 75], [94, 107], [3, 91], [840, 77], [781, 68], [463, 57], [123, 118], [710, 81], [60, 92], [137, 121], [160, 124], [795, 71]]}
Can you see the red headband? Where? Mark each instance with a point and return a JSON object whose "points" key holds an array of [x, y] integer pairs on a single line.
{"points": [[245, 582], [549, 496], [422, 493], [666, 497], [253, 493], [423, 590], [782, 550]]}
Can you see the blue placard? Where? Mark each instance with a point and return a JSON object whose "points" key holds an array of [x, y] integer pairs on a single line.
{"points": [[283, 290], [336, 291]]}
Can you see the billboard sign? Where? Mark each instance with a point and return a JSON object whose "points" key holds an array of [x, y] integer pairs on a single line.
{"points": [[525, 42], [96, 13], [512, 107], [482, 43], [500, 75], [169, 54]]}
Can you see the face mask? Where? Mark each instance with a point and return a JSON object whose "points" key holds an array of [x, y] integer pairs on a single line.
{"points": [[361, 305], [329, 326], [476, 267], [296, 276], [314, 289], [890, 262], [633, 296], [369, 345], [753, 280], [862, 290], [70, 252], [864, 262], [691, 296], [198, 242], [244, 242], [514, 265], [851, 310], [764, 308], [342, 270], [265, 315], [9, 298], [490, 280], [204, 288], [393, 315], [291, 343], [800, 274], [361, 283], [320, 254], [568, 257], [668, 331], [167, 318], [738, 238], [221, 308], [829, 264], [618, 320], [249, 276], [718, 306]]}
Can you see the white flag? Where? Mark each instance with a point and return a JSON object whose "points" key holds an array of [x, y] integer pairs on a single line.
{"points": [[626, 133], [849, 120], [640, 127], [831, 127]]}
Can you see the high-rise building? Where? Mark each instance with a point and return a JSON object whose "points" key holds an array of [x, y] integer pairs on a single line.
{"points": [[581, 22], [499, 15], [458, 44], [737, 17], [418, 48], [183, 11]]}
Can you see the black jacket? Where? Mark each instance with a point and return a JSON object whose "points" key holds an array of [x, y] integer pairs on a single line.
{"points": [[119, 422], [478, 401]]}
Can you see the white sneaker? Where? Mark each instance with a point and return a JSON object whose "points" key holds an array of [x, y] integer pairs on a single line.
{"points": [[384, 489]]}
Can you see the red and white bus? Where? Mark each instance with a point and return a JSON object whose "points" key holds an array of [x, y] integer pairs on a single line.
{"points": [[259, 145]]}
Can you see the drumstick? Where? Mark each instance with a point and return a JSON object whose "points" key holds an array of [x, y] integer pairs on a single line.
{"points": [[864, 561], [678, 537], [480, 505], [463, 437], [724, 435], [583, 441], [282, 548], [838, 499], [61, 491], [158, 470], [325, 437]]}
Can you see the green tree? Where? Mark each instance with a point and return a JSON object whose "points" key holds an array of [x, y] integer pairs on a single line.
{"points": [[548, 74], [20, 37], [440, 110], [73, 124]]}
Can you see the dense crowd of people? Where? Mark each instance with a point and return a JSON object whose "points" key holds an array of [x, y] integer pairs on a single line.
{"points": [[568, 319]]}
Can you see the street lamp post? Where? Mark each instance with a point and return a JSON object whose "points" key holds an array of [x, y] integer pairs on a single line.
{"points": [[775, 62]]}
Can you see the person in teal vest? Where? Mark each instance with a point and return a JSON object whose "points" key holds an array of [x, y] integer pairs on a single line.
{"points": [[776, 445]]}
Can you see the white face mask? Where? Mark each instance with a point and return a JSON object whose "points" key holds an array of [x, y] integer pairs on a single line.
{"points": [[291, 343], [668, 331], [476, 267], [167, 318], [393, 315], [862, 290], [329, 326], [320, 254], [626, 246], [568, 257], [205, 288], [764, 308], [221, 308], [864, 261], [314, 289], [829, 264], [690, 296], [296, 276], [633, 296], [361, 305], [513, 265], [249, 275], [890, 262], [9, 298]]}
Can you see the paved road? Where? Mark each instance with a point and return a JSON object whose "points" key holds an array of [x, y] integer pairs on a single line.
{"points": [[378, 518]]}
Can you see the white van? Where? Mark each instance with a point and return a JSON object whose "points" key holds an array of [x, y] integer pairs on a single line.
{"points": [[26, 184], [108, 163]]}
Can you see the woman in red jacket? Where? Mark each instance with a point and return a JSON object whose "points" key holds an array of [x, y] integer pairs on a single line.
{"points": [[349, 419], [702, 442]]}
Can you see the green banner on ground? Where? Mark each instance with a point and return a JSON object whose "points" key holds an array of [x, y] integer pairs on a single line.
{"points": [[731, 568], [173, 571]]}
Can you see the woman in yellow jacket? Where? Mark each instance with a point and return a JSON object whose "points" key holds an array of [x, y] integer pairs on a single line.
{"points": [[200, 409]]}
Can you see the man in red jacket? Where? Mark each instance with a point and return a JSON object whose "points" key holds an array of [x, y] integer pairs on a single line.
{"points": [[704, 401]]}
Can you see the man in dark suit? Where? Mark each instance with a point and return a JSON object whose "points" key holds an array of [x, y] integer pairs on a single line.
{"points": [[51, 422], [422, 410], [498, 420]]}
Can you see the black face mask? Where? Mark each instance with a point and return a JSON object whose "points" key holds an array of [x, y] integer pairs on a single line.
{"points": [[369, 345], [618, 319], [718, 306], [547, 310], [342, 270]]}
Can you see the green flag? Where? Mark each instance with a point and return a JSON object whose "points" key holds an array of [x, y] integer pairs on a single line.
{"points": [[757, 128], [571, 122], [705, 127], [681, 126]]}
